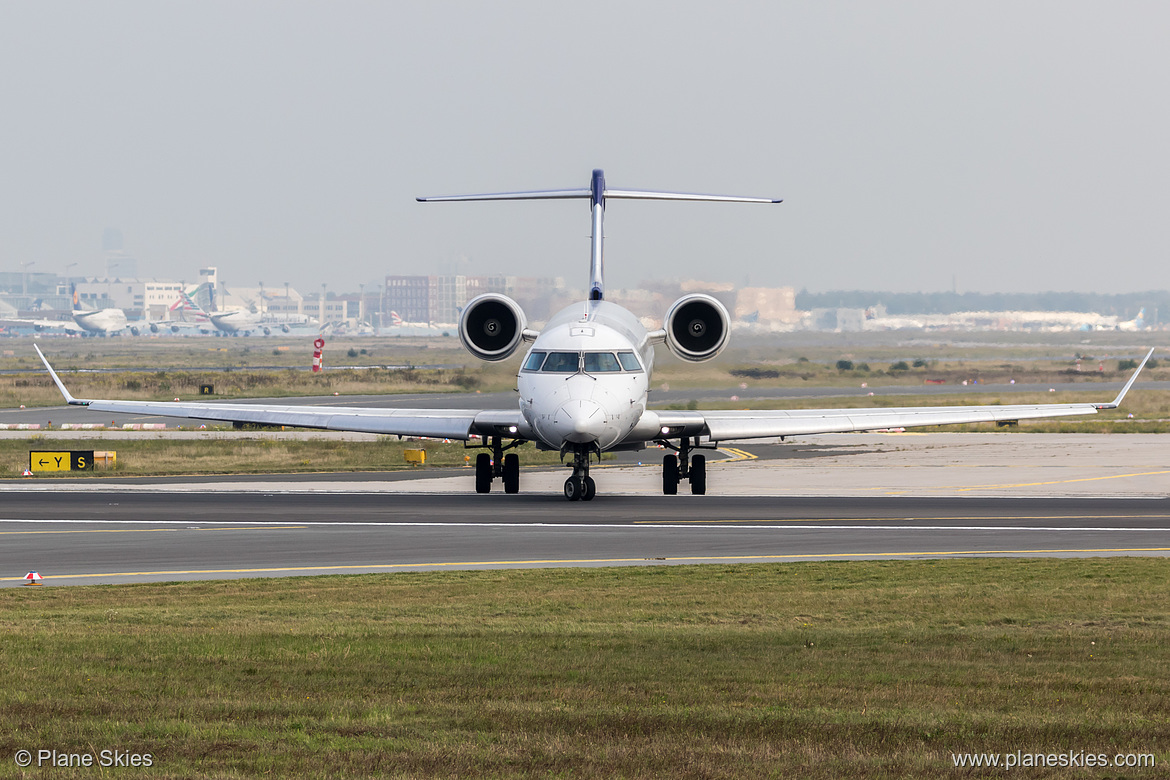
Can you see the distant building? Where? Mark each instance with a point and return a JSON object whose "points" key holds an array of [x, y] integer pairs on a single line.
{"points": [[766, 305], [136, 297], [38, 283]]}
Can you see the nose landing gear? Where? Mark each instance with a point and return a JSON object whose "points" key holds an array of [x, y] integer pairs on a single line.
{"points": [[580, 486]]}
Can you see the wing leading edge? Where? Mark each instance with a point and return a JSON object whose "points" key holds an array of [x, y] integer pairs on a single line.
{"points": [[726, 425], [434, 423]]}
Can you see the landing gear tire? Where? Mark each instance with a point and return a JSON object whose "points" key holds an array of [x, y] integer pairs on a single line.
{"points": [[670, 475], [574, 490], [699, 475], [511, 473], [590, 489], [483, 473]]}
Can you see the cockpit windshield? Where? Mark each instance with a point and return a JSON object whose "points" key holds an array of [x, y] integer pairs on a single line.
{"points": [[629, 361], [561, 362], [590, 362], [599, 362]]}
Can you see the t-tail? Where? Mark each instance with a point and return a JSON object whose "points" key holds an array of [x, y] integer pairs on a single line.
{"points": [[598, 193]]}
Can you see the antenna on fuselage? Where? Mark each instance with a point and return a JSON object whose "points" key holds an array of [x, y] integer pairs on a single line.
{"points": [[597, 193]]}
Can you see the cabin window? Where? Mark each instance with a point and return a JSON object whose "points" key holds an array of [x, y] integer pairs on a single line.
{"points": [[534, 361], [601, 362], [561, 362], [629, 361]]}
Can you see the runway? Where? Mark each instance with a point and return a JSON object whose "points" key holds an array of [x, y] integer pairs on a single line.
{"points": [[73, 538], [847, 497]]}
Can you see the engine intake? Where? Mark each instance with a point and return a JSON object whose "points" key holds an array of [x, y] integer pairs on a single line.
{"points": [[492, 326], [697, 328]]}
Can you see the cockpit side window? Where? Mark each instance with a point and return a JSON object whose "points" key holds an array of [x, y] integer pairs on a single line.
{"points": [[534, 361], [561, 362], [629, 361], [600, 362]]}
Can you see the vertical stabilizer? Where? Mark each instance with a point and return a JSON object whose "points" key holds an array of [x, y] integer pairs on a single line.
{"points": [[596, 271]]}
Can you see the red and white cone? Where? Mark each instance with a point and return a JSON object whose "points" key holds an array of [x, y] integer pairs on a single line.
{"points": [[32, 578]]}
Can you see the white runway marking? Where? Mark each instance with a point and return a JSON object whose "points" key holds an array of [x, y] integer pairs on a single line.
{"points": [[194, 525]]}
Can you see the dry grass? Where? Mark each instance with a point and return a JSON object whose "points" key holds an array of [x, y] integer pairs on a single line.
{"points": [[819, 670], [246, 454]]}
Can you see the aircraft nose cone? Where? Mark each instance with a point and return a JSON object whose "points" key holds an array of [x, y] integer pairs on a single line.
{"points": [[580, 421]]}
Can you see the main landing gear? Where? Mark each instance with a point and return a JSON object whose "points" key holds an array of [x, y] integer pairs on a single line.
{"points": [[676, 468], [580, 486], [497, 464]]}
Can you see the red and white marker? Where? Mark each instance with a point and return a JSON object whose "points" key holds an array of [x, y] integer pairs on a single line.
{"points": [[32, 578], [318, 345]]}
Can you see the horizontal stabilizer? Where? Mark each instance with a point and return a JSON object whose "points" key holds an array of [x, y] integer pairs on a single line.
{"points": [[652, 195], [534, 195], [608, 193]]}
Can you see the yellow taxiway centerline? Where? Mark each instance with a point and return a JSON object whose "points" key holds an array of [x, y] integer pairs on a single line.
{"points": [[1064, 481], [901, 519]]}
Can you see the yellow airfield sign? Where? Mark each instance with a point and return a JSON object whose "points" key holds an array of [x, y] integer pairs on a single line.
{"points": [[61, 460]]}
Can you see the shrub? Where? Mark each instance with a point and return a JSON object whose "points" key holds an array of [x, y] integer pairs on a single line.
{"points": [[844, 365], [901, 365], [755, 373]]}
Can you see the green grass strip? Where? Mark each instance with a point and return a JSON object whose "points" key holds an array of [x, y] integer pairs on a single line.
{"points": [[820, 670]]}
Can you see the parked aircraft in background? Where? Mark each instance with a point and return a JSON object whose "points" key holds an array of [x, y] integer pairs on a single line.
{"points": [[400, 327], [98, 322], [184, 317], [1137, 323], [584, 382], [243, 322]]}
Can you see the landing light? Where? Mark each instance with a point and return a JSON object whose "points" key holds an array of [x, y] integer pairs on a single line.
{"points": [[665, 431], [511, 429]]}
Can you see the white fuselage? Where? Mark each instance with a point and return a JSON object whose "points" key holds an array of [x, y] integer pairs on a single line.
{"points": [[578, 384], [232, 321], [102, 321]]}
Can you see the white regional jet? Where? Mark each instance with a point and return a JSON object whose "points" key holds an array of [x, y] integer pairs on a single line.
{"points": [[584, 381]]}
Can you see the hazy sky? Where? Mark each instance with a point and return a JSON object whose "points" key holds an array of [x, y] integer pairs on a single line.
{"points": [[1014, 146]]}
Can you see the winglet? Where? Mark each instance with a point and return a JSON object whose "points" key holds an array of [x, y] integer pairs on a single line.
{"points": [[69, 399], [1117, 401]]}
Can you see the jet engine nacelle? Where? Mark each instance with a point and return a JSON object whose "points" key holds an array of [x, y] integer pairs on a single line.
{"points": [[697, 328], [492, 326]]}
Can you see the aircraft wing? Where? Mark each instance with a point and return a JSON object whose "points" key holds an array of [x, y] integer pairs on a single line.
{"points": [[747, 424], [68, 326], [433, 423]]}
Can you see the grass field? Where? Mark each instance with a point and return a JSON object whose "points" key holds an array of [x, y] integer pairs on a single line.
{"points": [[818, 670], [263, 367], [246, 453]]}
